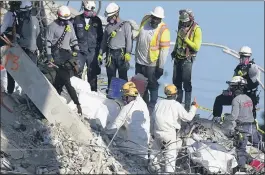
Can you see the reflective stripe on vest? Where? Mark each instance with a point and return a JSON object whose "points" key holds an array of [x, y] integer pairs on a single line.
{"points": [[182, 50], [156, 43]]}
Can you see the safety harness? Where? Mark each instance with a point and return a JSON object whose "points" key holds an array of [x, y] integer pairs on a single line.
{"points": [[110, 37]]}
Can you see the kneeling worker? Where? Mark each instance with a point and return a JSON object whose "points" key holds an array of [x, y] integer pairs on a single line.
{"points": [[166, 119], [134, 116]]}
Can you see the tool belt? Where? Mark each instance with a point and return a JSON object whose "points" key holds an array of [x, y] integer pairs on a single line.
{"points": [[49, 72]]}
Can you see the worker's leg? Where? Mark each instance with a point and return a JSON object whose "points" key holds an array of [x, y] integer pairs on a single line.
{"points": [[186, 77], [242, 155], [123, 66], [65, 75], [10, 83], [177, 78], [156, 156], [111, 69], [94, 69], [255, 137], [219, 102], [81, 61], [152, 87]]}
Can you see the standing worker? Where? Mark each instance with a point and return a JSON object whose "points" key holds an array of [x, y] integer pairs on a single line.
{"points": [[117, 43], [188, 43], [166, 122], [7, 27], [89, 32], [60, 35], [151, 52], [28, 30], [242, 117], [249, 71]]}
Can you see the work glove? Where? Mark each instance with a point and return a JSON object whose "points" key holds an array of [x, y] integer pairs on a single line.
{"points": [[127, 57], [100, 59], [158, 72], [74, 54], [173, 54], [182, 33], [108, 60], [194, 103], [79, 109], [241, 73]]}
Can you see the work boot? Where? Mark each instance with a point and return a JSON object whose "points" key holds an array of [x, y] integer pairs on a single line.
{"points": [[180, 96], [187, 101]]}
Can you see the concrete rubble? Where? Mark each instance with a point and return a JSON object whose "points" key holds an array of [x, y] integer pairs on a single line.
{"points": [[41, 148]]}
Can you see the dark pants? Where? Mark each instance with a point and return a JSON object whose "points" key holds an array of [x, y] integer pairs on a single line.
{"points": [[90, 58], [152, 86], [63, 79], [117, 63], [182, 75], [244, 132], [10, 80], [64, 73], [226, 100]]}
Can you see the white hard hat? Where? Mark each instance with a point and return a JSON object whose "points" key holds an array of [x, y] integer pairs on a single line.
{"points": [[25, 6], [112, 9], [158, 12], [64, 12], [89, 5], [238, 80], [245, 50]]}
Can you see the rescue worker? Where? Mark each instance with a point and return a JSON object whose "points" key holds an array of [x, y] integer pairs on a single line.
{"points": [[151, 52], [89, 32], [60, 35], [117, 43], [134, 117], [248, 70], [8, 21], [7, 26], [243, 119], [28, 30], [188, 43], [166, 122]]}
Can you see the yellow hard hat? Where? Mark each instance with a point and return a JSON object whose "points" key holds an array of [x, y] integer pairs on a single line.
{"points": [[170, 90], [132, 92], [128, 85]]}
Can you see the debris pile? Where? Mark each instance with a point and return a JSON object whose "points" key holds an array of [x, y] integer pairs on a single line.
{"points": [[43, 148]]}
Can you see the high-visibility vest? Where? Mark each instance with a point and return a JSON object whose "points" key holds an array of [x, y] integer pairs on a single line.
{"points": [[182, 49], [160, 39]]}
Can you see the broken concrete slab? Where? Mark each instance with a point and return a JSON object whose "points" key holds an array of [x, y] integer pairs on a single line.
{"points": [[14, 151]]}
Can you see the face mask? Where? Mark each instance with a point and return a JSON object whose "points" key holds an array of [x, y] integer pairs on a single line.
{"points": [[63, 22], [185, 24], [244, 60], [112, 19], [89, 13], [155, 22]]}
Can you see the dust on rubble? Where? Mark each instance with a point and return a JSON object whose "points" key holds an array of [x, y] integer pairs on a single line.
{"points": [[29, 144]]}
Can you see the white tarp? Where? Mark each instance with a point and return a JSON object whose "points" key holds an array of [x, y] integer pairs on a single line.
{"points": [[214, 161], [94, 104]]}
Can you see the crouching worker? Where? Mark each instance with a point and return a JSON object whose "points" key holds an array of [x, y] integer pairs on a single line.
{"points": [[165, 124], [60, 35], [242, 116], [135, 119]]}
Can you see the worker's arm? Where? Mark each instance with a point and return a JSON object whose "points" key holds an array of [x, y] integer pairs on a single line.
{"points": [[37, 27], [99, 32], [196, 45], [103, 46], [128, 37], [120, 120], [73, 39], [235, 109], [164, 48], [7, 21], [183, 114], [49, 37]]}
